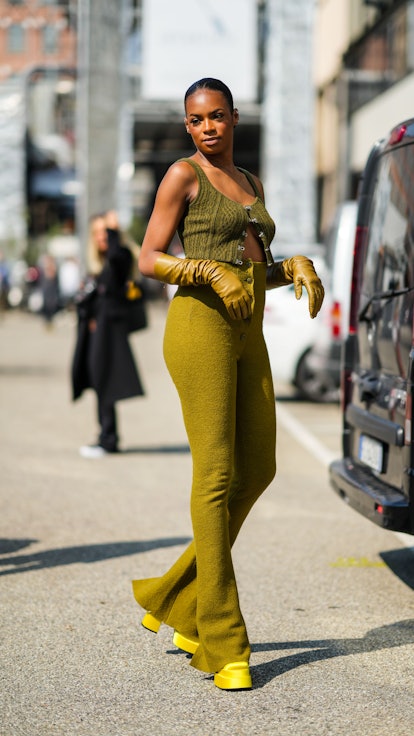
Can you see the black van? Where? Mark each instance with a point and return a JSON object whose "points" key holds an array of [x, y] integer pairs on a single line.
{"points": [[376, 473]]}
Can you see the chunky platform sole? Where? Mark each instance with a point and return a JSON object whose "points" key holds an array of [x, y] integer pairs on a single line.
{"points": [[182, 642], [185, 643], [234, 676], [151, 623]]}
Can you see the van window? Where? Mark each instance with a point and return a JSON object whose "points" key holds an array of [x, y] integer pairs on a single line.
{"points": [[390, 256], [390, 243]]}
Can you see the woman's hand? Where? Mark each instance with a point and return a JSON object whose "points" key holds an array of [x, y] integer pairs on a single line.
{"points": [[298, 270]]}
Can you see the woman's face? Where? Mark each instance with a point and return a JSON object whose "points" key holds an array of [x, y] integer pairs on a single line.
{"points": [[210, 121], [99, 234]]}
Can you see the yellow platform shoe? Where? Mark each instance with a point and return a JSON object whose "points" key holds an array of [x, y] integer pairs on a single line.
{"points": [[150, 622], [185, 643], [234, 676]]}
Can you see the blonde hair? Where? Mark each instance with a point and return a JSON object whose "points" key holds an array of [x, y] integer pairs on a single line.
{"points": [[96, 260]]}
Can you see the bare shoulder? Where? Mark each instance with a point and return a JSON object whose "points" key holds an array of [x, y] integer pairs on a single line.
{"points": [[181, 172], [181, 177]]}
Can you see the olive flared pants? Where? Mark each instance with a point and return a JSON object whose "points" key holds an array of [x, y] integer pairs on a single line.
{"points": [[221, 371]]}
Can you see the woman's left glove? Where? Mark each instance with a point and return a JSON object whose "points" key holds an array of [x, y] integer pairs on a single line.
{"points": [[298, 270]]}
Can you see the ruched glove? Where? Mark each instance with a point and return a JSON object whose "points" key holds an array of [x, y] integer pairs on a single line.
{"points": [[191, 272], [298, 270]]}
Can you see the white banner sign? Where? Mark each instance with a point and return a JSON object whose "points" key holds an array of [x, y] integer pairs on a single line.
{"points": [[185, 40]]}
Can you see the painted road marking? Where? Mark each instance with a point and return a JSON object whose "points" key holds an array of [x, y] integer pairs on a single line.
{"points": [[357, 562]]}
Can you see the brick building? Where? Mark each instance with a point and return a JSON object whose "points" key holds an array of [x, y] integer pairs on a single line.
{"points": [[35, 33]]}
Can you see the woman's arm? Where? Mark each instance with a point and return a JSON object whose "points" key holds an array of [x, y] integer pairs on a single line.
{"points": [[177, 188]]}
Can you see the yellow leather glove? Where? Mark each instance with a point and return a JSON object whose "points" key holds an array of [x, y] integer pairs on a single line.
{"points": [[298, 270], [192, 272]]}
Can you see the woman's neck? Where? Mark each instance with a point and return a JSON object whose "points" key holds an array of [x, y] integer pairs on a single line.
{"points": [[223, 162]]}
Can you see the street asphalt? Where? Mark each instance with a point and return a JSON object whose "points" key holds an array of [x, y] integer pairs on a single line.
{"points": [[332, 642]]}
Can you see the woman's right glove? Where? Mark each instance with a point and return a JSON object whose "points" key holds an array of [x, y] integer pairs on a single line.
{"points": [[190, 272], [298, 270]]}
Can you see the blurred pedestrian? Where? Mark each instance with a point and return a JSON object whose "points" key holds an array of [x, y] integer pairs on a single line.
{"points": [[49, 287], [216, 354], [103, 359]]}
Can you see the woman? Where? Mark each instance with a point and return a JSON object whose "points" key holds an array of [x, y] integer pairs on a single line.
{"points": [[216, 354], [103, 359]]}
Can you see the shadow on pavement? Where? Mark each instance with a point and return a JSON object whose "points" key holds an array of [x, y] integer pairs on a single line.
{"points": [[73, 555], [398, 634], [13, 545], [400, 562]]}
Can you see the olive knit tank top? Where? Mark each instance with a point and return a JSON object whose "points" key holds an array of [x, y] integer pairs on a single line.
{"points": [[215, 227]]}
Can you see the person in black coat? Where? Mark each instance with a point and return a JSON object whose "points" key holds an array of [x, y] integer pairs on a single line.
{"points": [[103, 359]]}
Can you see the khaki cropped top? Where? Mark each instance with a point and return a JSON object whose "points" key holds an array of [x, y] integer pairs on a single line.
{"points": [[215, 227]]}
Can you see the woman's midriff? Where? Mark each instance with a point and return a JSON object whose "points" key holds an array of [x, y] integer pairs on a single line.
{"points": [[253, 248]]}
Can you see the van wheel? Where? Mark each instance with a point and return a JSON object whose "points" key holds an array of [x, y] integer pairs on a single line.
{"points": [[314, 385]]}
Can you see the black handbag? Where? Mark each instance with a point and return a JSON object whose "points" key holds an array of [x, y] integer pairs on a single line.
{"points": [[136, 309]]}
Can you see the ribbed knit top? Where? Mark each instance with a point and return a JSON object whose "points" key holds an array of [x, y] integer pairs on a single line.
{"points": [[215, 227]]}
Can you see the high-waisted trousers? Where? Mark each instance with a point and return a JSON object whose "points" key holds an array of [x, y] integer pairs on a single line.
{"points": [[221, 371]]}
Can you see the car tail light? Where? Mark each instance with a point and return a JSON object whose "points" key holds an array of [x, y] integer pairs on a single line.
{"points": [[359, 253], [336, 313], [397, 135]]}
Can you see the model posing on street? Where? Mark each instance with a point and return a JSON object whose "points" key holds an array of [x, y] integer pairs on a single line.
{"points": [[216, 354]]}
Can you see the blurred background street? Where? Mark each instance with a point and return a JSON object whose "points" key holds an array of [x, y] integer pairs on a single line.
{"points": [[91, 117]]}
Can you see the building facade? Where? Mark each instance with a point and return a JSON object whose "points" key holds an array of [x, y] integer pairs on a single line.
{"points": [[36, 33], [364, 85]]}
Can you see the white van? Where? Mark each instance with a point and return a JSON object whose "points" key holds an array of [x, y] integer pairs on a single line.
{"points": [[291, 335], [339, 253], [339, 257]]}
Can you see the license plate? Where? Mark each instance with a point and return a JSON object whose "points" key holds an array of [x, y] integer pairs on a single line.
{"points": [[371, 452]]}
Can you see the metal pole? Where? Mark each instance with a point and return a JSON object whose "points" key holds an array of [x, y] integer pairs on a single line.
{"points": [[287, 165], [99, 105], [82, 125]]}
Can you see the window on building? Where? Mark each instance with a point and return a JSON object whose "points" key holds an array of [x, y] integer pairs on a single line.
{"points": [[381, 57], [15, 39], [50, 39]]}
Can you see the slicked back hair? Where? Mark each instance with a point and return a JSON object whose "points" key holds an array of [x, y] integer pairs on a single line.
{"points": [[211, 83]]}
